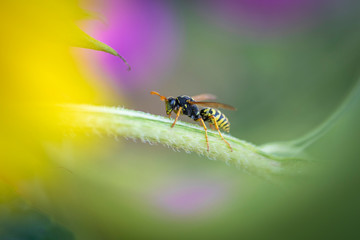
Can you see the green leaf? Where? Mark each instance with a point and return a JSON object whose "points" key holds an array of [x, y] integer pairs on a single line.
{"points": [[151, 129], [83, 40]]}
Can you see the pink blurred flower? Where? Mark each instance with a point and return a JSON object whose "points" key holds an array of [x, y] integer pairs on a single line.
{"points": [[191, 197], [144, 32]]}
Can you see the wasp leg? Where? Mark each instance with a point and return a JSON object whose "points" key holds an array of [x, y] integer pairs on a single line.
{"points": [[177, 116], [212, 126], [169, 115], [217, 128], [206, 136]]}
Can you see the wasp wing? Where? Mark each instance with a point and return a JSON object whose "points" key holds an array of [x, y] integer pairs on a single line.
{"points": [[203, 97], [214, 105]]}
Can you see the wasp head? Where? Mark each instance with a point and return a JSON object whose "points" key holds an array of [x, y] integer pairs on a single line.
{"points": [[170, 105]]}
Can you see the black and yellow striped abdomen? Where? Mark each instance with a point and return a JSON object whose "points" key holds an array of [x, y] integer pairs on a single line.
{"points": [[218, 116]]}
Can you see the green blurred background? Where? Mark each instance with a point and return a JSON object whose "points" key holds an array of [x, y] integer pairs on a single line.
{"points": [[285, 65]]}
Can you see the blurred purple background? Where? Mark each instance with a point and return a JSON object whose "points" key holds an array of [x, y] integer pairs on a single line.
{"points": [[261, 16]]}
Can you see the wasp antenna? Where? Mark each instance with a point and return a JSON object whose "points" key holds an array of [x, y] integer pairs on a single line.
{"points": [[155, 93], [162, 98], [123, 59]]}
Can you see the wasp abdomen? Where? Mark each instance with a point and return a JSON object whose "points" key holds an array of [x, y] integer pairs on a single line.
{"points": [[218, 116]]}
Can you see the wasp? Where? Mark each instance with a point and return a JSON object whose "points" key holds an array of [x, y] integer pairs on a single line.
{"points": [[189, 106]]}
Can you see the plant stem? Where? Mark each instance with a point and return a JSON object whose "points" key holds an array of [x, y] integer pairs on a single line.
{"points": [[306, 140], [297, 146]]}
